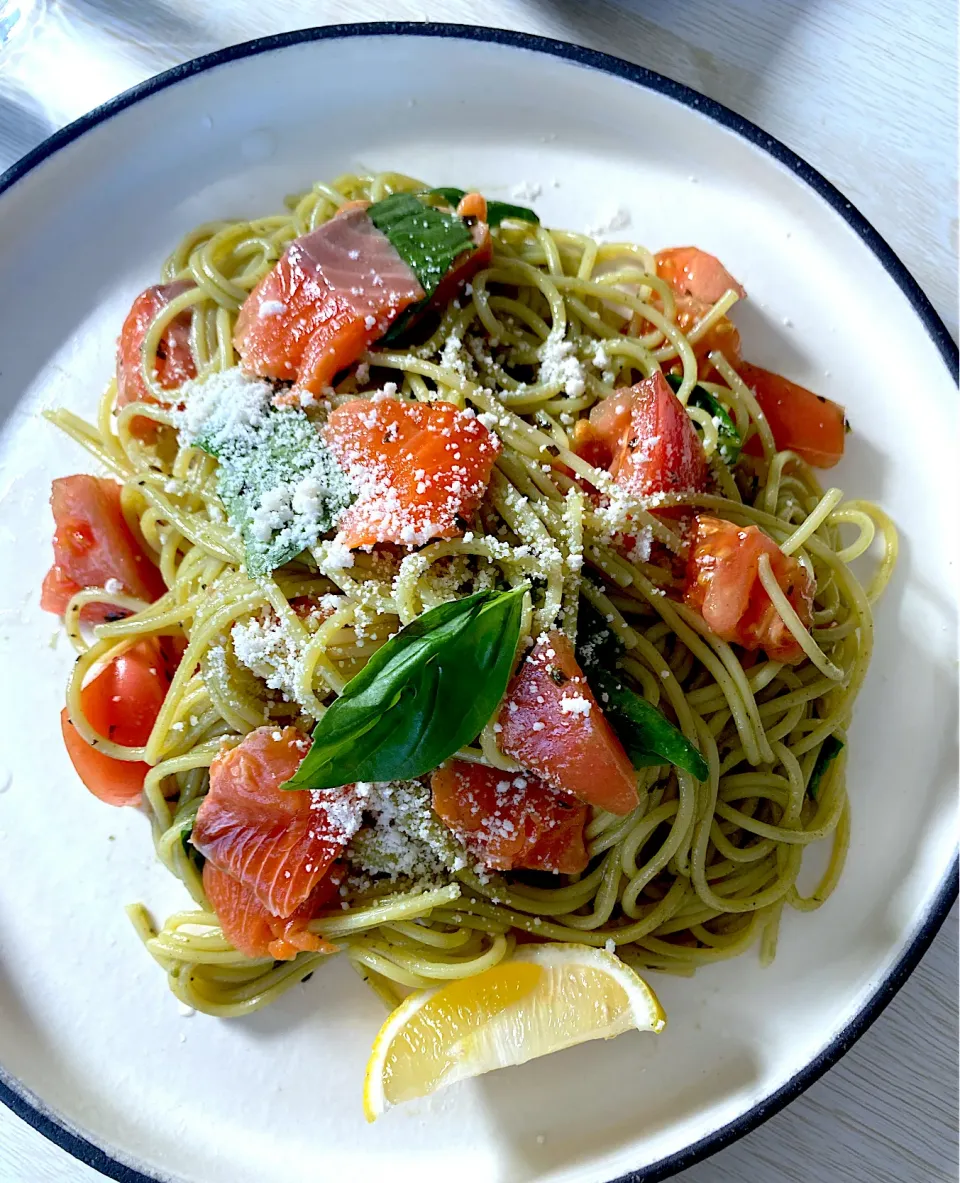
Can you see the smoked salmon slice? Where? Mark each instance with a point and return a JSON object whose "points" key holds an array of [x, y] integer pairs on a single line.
{"points": [[333, 293], [278, 843], [420, 469], [256, 932], [175, 363], [509, 820], [551, 722]]}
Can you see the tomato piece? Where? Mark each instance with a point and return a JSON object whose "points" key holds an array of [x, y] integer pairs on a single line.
{"points": [[649, 438], [421, 469], [723, 585], [175, 362], [551, 723], [695, 273], [510, 821], [121, 703], [279, 843], [92, 543], [256, 932], [806, 423], [699, 280]]}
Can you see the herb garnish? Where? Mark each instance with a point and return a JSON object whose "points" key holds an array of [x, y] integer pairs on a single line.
{"points": [[428, 691], [497, 211], [729, 442], [829, 750], [648, 737]]}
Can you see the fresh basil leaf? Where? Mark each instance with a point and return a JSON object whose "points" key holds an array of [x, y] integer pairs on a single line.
{"points": [[279, 483], [427, 239], [497, 211], [598, 646], [829, 750], [421, 697], [729, 442], [190, 850], [452, 197], [646, 735]]}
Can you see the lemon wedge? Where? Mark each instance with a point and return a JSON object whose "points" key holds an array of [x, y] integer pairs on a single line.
{"points": [[546, 997]]}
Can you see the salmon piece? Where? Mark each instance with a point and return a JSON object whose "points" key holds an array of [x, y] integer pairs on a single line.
{"points": [[806, 423], [646, 440], [333, 293], [723, 585], [256, 932], [510, 821], [175, 362], [697, 274], [420, 469], [92, 544], [551, 723], [278, 843]]}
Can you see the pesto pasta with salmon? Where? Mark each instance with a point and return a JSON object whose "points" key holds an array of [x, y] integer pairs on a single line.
{"points": [[453, 584]]}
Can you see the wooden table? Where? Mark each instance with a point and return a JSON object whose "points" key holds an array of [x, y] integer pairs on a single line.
{"points": [[863, 89]]}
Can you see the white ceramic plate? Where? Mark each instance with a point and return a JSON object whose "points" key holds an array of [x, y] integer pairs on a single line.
{"points": [[94, 1049]]}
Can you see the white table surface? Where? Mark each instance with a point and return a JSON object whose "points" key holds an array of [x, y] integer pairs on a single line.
{"points": [[866, 91]]}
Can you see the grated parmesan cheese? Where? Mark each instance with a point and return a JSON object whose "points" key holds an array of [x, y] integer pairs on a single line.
{"points": [[560, 367], [268, 651], [401, 837]]}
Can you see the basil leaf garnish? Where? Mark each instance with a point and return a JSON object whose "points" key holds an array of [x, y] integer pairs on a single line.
{"points": [[427, 239], [496, 210], [729, 442], [647, 736], [422, 696], [829, 750], [452, 197], [280, 485]]}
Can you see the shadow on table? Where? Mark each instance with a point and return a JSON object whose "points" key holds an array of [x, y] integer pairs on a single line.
{"points": [[722, 50], [148, 23], [23, 123]]}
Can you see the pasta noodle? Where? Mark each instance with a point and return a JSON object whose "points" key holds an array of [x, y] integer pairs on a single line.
{"points": [[699, 871]]}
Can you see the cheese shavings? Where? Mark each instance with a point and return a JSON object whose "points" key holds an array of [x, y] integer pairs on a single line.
{"points": [[280, 485], [402, 838]]}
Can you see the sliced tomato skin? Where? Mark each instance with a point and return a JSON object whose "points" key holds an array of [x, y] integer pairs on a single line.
{"points": [[93, 543], [723, 586], [256, 932], [574, 750], [649, 438], [121, 703], [175, 363], [695, 273], [806, 423], [279, 843], [698, 280], [511, 821]]}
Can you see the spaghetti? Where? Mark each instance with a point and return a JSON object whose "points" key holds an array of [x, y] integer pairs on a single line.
{"points": [[557, 322]]}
